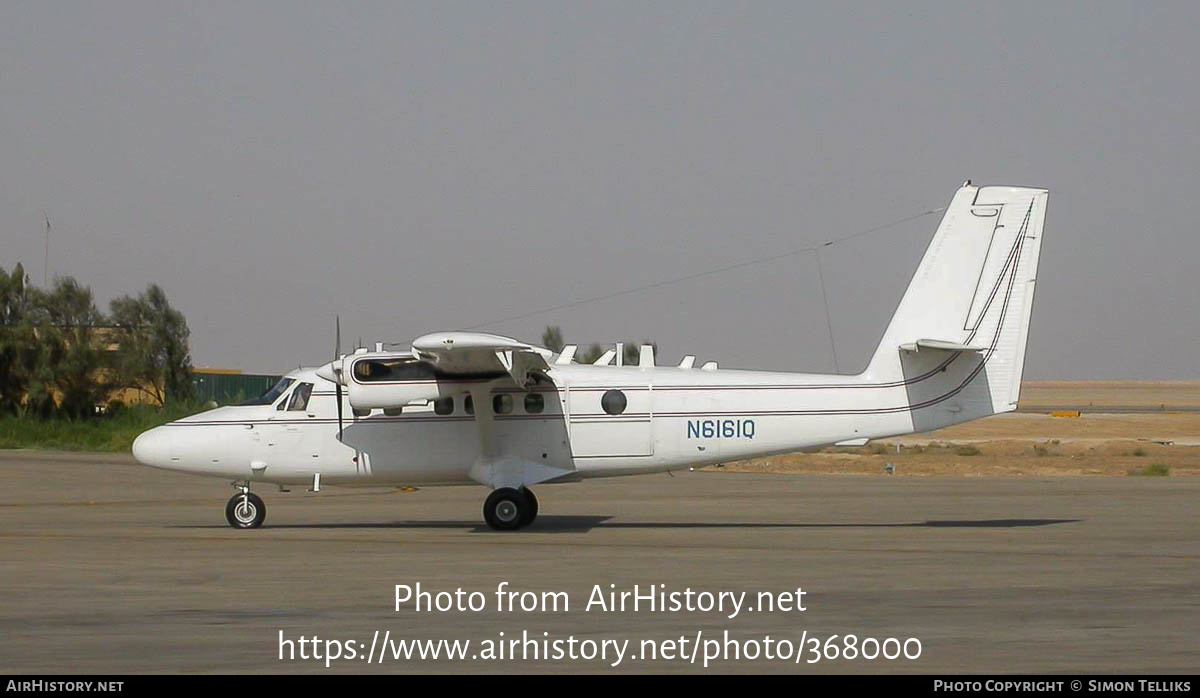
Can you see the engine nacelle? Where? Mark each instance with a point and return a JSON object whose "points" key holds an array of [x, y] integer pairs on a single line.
{"points": [[389, 380]]}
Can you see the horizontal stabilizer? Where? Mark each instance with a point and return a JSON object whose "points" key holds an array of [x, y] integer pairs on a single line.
{"points": [[939, 344]]}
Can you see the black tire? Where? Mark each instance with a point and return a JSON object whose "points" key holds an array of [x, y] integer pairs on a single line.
{"points": [[504, 509], [249, 515], [531, 511]]}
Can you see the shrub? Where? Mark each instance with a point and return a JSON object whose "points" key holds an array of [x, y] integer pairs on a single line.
{"points": [[1152, 470], [968, 451], [111, 432]]}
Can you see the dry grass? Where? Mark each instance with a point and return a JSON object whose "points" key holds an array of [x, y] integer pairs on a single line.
{"points": [[1035, 444], [1015, 457]]}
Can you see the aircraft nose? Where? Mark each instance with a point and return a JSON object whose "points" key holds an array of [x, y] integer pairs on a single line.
{"points": [[152, 447]]}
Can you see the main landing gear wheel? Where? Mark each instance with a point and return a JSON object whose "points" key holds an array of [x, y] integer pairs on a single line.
{"points": [[531, 511], [245, 510], [506, 509]]}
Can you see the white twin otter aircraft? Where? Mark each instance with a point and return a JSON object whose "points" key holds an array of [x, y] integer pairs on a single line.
{"points": [[472, 408]]}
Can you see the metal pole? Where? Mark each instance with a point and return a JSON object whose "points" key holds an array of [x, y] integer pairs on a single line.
{"points": [[46, 255]]}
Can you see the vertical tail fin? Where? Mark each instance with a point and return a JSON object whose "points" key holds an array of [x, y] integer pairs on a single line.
{"points": [[971, 295]]}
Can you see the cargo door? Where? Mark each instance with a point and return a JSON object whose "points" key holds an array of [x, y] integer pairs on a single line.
{"points": [[611, 421]]}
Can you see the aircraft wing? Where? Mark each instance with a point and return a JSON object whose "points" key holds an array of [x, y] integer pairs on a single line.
{"points": [[479, 353]]}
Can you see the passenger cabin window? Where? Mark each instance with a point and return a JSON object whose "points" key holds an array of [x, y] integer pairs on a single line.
{"points": [[271, 395], [468, 405], [614, 402], [502, 403], [392, 370], [300, 395], [444, 406], [534, 403]]}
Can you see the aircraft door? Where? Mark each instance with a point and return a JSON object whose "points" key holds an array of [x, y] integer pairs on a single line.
{"points": [[611, 421], [283, 443]]}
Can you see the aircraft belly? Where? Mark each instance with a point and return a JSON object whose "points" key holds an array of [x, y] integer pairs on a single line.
{"points": [[417, 449]]}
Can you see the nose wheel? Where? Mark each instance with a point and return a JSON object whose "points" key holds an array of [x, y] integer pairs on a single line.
{"points": [[507, 508], [245, 510]]}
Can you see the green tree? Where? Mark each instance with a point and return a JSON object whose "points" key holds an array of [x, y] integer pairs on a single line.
{"points": [[552, 338], [589, 354], [70, 357], [153, 354], [12, 295], [56, 347], [18, 346]]}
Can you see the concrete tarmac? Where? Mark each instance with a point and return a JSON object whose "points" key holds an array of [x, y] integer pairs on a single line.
{"points": [[110, 567]]}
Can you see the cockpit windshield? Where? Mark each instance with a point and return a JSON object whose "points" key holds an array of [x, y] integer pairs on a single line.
{"points": [[271, 395]]}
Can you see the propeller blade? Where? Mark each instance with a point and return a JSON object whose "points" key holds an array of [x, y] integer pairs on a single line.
{"points": [[338, 388], [337, 352]]}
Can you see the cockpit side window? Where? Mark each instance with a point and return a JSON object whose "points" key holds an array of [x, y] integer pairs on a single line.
{"points": [[300, 395], [271, 395]]}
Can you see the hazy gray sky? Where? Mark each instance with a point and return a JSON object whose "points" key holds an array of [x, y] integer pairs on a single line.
{"points": [[427, 166]]}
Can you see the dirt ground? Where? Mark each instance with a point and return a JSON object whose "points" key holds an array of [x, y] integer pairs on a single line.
{"points": [[1032, 443], [1084, 395]]}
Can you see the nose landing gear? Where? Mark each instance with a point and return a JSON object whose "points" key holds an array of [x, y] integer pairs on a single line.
{"points": [[245, 509], [507, 508]]}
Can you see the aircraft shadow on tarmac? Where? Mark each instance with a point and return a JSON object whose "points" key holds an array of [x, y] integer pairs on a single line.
{"points": [[582, 524]]}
